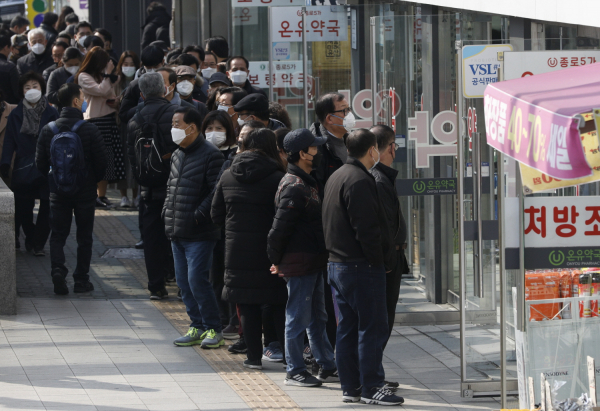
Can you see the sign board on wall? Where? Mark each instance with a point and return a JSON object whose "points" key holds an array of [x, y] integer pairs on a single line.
{"points": [[528, 63], [265, 3], [480, 67], [286, 73], [35, 11], [245, 16], [322, 24]]}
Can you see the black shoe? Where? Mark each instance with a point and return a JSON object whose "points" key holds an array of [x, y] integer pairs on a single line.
{"points": [[100, 203], [159, 295], [106, 201], [304, 379], [391, 385], [170, 278], [239, 347], [28, 246], [253, 364], [39, 253], [60, 284], [352, 395], [139, 245], [83, 287], [381, 396], [179, 297], [328, 375]]}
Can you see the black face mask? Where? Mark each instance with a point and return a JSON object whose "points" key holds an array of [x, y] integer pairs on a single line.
{"points": [[23, 50], [316, 160]]}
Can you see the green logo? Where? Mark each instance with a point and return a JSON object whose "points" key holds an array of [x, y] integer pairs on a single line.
{"points": [[556, 258], [418, 187], [263, 67]]}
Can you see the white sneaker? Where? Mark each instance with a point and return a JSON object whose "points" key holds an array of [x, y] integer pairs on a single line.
{"points": [[136, 201], [125, 202]]}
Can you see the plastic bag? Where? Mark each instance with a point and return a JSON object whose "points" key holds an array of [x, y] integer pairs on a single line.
{"points": [[582, 403]]}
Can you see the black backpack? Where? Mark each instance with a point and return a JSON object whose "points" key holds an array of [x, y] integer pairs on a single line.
{"points": [[150, 169]]}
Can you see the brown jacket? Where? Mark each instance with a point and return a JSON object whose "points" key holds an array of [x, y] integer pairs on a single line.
{"points": [[3, 120]]}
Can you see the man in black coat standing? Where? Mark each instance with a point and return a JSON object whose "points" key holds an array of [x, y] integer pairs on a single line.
{"points": [[157, 24], [9, 75], [40, 57], [238, 72], [356, 237], [82, 203], [157, 110]]}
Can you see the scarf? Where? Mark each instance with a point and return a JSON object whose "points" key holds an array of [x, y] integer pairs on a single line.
{"points": [[32, 116]]}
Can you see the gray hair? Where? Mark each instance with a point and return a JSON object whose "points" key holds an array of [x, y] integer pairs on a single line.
{"points": [[152, 85], [35, 32]]}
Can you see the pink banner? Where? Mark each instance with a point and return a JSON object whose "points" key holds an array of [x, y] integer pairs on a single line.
{"points": [[544, 140]]}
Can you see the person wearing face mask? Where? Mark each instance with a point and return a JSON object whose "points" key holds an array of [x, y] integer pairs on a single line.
{"points": [[58, 51], [186, 81], [228, 98], [81, 203], [40, 57], [22, 130], [9, 75], [194, 170], [357, 238], [237, 71], [82, 31], [18, 47], [127, 65], [256, 107], [296, 248], [71, 61], [200, 91]]}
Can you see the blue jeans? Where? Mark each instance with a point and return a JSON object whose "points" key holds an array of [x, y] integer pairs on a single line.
{"points": [[305, 310], [192, 263], [362, 323]]}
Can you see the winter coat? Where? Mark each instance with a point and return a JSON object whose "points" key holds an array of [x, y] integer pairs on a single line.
{"points": [[57, 78], [296, 242], [9, 80], [48, 71], [34, 62], [23, 146], [193, 177], [250, 89], [8, 108], [129, 102], [149, 112], [94, 152], [275, 124], [329, 163], [156, 28], [51, 34], [353, 221], [244, 204]]}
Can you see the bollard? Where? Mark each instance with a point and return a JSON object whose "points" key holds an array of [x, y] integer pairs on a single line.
{"points": [[8, 264]]}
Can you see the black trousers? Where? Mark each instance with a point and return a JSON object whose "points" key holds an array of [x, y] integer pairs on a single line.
{"points": [[251, 317], [331, 326], [36, 233], [61, 216], [392, 291], [157, 248]]}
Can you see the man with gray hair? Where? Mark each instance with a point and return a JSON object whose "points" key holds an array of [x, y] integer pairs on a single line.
{"points": [[40, 57], [153, 121]]}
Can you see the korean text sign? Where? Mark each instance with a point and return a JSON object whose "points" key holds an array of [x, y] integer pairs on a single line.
{"points": [[322, 24], [480, 68], [264, 3], [528, 63]]}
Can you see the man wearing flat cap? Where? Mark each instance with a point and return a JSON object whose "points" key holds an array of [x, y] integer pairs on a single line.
{"points": [[186, 80], [296, 248], [256, 107]]}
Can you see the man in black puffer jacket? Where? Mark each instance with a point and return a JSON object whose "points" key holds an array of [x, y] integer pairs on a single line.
{"points": [[194, 170], [297, 250], [82, 204], [157, 250]]}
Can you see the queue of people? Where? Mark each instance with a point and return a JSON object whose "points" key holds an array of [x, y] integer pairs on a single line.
{"points": [[289, 241]]}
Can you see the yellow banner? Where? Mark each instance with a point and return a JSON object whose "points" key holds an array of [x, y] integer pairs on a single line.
{"points": [[36, 10]]}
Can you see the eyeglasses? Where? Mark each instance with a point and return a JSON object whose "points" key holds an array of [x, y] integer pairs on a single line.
{"points": [[345, 111], [396, 145]]}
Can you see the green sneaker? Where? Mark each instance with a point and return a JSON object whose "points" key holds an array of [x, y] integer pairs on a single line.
{"points": [[213, 339], [194, 336]]}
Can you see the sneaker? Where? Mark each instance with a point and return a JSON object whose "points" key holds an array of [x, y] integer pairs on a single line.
{"points": [[231, 332], [213, 339], [239, 347], [391, 385], [139, 245], [159, 295], [352, 395], [253, 364], [60, 284], [125, 202], [106, 201], [39, 253], [170, 277], [179, 297], [100, 203], [381, 396], [83, 287], [304, 379], [194, 336], [273, 352], [327, 376]]}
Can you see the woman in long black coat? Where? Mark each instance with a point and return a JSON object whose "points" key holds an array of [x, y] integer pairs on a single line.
{"points": [[244, 204]]}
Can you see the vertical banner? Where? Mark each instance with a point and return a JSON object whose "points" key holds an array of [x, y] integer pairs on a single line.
{"points": [[35, 10]]}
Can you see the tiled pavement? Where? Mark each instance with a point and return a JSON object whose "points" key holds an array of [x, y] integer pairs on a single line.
{"points": [[112, 349]]}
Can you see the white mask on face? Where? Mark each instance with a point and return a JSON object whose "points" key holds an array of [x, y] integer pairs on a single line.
{"points": [[223, 108], [241, 122], [178, 134], [185, 88], [38, 48], [128, 71], [378, 158], [349, 122], [33, 95], [207, 72], [82, 40], [216, 137], [238, 77], [72, 70]]}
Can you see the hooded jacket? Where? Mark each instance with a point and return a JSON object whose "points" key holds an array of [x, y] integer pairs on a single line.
{"points": [[156, 28], [244, 204], [193, 177]]}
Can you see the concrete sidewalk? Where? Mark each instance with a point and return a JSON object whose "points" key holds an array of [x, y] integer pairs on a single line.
{"points": [[112, 349]]}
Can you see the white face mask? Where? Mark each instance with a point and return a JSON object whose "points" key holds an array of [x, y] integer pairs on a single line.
{"points": [[38, 48], [73, 42], [216, 137], [207, 72], [128, 71], [238, 77], [178, 134], [378, 158], [241, 122], [82, 40], [33, 95], [73, 69], [185, 88], [349, 122]]}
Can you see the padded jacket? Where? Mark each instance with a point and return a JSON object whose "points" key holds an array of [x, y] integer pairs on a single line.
{"points": [[193, 177], [94, 152], [244, 204], [296, 242], [57, 78]]}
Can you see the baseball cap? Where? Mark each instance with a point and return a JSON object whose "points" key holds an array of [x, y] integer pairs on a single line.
{"points": [[298, 140], [185, 71], [253, 102], [18, 40], [219, 78]]}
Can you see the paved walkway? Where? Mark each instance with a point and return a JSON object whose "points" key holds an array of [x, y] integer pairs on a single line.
{"points": [[112, 349]]}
